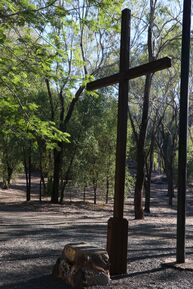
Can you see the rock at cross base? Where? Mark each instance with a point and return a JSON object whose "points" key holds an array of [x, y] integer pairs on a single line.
{"points": [[82, 264]]}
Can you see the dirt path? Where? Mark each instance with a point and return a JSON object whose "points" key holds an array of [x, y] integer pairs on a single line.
{"points": [[33, 235]]}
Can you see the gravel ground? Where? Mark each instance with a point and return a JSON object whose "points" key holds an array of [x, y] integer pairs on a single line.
{"points": [[33, 236]]}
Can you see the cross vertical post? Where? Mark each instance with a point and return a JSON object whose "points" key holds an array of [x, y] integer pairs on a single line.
{"points": [[117, 234], [122, 117], [183, 127]]}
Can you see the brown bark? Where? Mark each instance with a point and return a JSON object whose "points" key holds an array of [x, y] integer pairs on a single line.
{"points": [[58, 154], [50, 99], [167, 148], [149, 167], [169, 174], [56, 176], [84, 194], [107, 190], [147, 187], [66, 176], [42, 179], [143, 127], [95, 191], [140, 151], [27, 168]]}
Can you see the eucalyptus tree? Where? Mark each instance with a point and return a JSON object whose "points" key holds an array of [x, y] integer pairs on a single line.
{"points": [[162, 25], [22, 69], [95, 158], [81, 40], [58, 44], [167, 144]]}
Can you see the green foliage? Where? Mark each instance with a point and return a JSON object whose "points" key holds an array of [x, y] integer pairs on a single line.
{"points": [[49, 50]]}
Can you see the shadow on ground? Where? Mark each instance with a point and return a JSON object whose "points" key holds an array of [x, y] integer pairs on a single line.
{"points": [[44, 282]]}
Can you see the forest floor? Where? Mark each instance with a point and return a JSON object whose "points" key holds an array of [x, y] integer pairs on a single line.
{"points": [[33, 235]]}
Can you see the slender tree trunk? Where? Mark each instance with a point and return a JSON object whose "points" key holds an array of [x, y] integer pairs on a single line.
{"points": [[56, 176], [42, 179], [27, 181], [64, 184], [140, 151], [7, 168], [147, 187], [159, 163], [139, 185], [9, 174], [95, 192], [58, 155], [84, 194], [43, 183], [66, 178], [27, 167], [149, 167], [170, 184], [107, 190], [40, 195], [143, 127]]}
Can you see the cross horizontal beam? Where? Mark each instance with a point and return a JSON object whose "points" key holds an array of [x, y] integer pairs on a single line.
{"points": [[132, 73]]}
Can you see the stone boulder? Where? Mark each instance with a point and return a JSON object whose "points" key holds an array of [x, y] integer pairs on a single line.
{"points": [[82, 264]]}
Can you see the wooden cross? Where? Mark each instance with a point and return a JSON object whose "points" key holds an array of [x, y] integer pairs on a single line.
{"points": [[117, 235]]}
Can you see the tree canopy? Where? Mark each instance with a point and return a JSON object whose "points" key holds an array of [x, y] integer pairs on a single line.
{"points": [[50, 49]]}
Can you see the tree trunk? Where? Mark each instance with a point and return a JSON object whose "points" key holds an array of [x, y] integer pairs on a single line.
{"points": [[9, 174], [40, 195], [7, 168], [159, 163], [140, 151], [107, 190], [84, 194], [65, 182], [170, 184], [27, 167], [144, 122], [56, 176], [42, 179], [147, 187], [139, 184], [149, 167], [95, 192], [58, 155], [66, 177]]}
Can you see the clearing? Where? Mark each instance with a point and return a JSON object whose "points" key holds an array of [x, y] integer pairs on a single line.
{"points": [[33, 235]]}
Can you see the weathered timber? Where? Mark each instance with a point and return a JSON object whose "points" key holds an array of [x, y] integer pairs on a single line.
{"points": [[117, 240], [183, 130], [82, 264], [117, 248], [131, 73]]}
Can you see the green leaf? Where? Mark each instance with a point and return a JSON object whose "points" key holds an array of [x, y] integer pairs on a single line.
{"points": [[2, 36]]}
